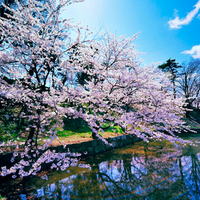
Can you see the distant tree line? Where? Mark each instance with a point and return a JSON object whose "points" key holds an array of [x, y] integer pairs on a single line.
{"points": [[185, 80]]}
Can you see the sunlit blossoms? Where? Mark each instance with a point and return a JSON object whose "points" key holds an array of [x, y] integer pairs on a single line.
{"points": [[39, 62]]}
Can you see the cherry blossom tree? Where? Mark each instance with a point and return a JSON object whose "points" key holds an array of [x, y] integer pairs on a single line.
{"points": [[31, 57], [121, 92], [39, 61], [34, 60]]}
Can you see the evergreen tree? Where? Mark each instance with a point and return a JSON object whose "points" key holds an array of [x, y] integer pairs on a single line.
{"points": [[171, 67]]}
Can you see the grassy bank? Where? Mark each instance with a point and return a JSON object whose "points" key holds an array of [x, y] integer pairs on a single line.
{"points": [[76, 131]]}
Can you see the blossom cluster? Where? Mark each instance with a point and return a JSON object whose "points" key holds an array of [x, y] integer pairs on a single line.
{"points": [[39, 63]]}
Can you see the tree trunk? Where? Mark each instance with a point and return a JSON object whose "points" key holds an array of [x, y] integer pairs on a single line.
{"points": [[94, 134], [188, 106], [187, 115], [30, 137], [174, 89]]}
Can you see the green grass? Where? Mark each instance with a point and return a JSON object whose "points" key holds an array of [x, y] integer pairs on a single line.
{"points": [[68, 133], [76, 129], [8, 132], [85, 133]]}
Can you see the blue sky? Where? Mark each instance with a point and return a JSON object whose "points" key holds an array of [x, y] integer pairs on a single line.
{"points": [[168, 29]]}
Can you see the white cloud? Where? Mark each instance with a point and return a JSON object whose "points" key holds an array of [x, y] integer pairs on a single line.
{"points": [[195, 51], [177, 22]]}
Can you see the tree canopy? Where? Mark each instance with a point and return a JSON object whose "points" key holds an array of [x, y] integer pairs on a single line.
{"points": [[38, 88]]}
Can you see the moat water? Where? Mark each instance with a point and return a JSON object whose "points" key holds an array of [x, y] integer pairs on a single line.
{"points": [[157, 170]]}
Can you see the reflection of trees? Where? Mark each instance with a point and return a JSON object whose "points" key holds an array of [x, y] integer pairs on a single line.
{"points": [[144, 175], [192, 176], [137, 176], [13, 190], [195, 174]]}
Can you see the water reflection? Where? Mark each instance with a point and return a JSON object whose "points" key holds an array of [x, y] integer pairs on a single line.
{"points": [[140, 171]]}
